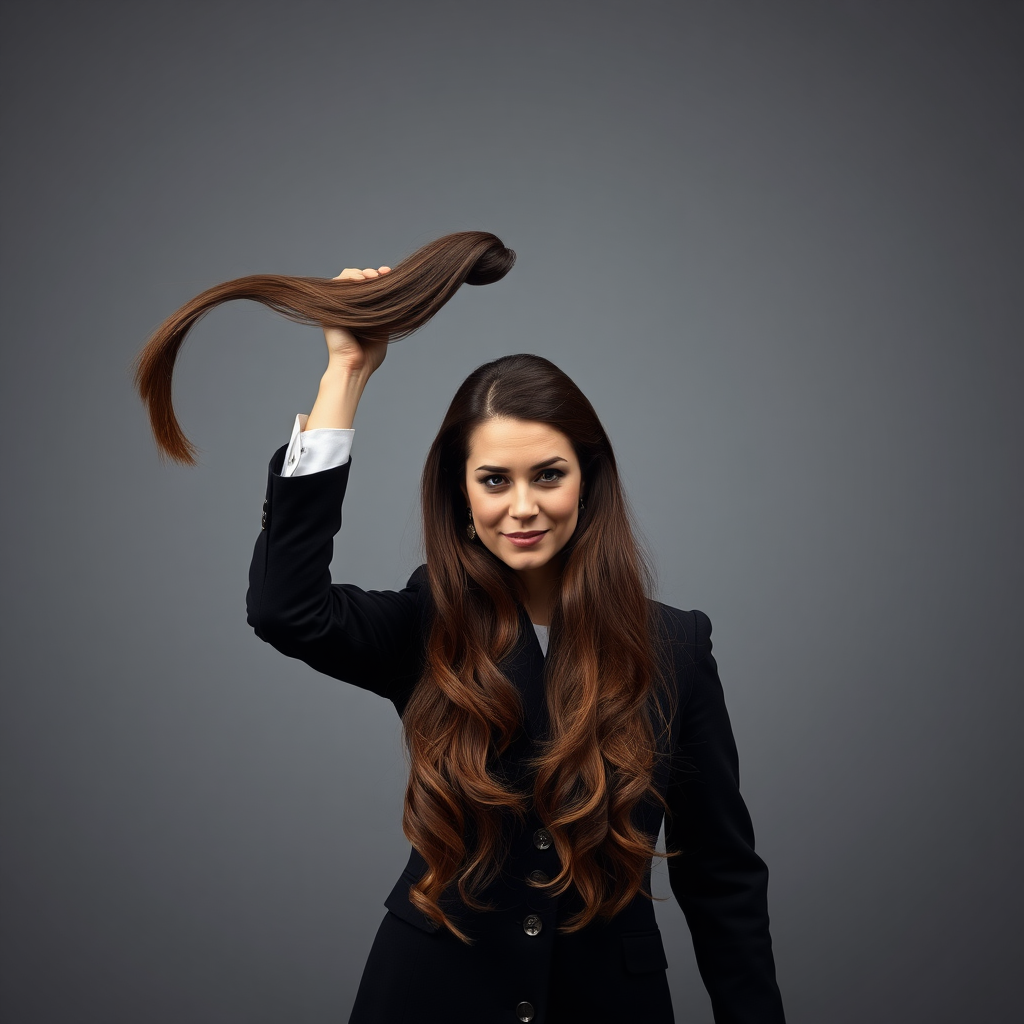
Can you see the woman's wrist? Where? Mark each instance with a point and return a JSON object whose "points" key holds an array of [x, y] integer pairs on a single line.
{"points": [[341, 387]]}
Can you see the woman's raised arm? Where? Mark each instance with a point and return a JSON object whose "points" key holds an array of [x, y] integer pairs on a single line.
{"points": [[350, 363], [369, 638]]}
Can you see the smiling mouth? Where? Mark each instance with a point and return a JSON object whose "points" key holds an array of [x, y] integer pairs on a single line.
{"points": [[527, 536]]}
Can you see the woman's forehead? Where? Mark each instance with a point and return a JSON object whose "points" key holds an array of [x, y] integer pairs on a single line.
{"points": [[501, 441]]}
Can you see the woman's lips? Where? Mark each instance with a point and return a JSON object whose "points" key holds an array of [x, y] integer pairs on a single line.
{"points": [[524, 540]]}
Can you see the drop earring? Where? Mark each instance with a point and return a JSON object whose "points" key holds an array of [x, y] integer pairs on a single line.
{"points": [[470, 528], [581, 504]]}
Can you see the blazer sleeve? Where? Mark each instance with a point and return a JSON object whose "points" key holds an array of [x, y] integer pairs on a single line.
{"points": [[721, 884], [370, 638]]}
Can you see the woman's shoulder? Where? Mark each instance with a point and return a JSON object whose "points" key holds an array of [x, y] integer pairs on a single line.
{"points": [[689, 631], [418, 586], [419, 578]]}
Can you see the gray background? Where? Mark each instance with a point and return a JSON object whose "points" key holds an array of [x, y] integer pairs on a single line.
{"points": [[778, 246]]}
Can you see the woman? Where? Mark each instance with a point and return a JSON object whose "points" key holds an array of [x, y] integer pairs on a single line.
{"points": [[553, 713]]}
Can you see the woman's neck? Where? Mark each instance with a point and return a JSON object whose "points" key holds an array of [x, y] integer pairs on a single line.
{"points": [[540, 588]]}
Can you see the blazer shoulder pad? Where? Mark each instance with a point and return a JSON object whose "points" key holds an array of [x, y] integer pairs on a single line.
{"points": [[419, 578], [689, 632]]}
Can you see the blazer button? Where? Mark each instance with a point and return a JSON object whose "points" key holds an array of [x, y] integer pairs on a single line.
{"points": [[532, 925], [539, 877], [524, 1011], [542, 839]]}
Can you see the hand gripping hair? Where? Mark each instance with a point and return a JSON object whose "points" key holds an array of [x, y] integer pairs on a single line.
{"points": [[391, 306]]}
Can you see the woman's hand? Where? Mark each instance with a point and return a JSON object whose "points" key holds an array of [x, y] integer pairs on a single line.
{"points": [[346, 351]]}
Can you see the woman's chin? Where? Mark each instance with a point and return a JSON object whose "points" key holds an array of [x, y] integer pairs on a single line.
{"points": [[526, 561]]}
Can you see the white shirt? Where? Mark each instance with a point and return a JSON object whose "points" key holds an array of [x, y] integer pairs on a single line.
{"points": [[312, 451]]}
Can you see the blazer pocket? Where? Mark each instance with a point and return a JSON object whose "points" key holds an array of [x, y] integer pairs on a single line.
{"points": [[643, 952], [399, 905]]}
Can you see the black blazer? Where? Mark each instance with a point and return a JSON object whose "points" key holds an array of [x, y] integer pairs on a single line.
{"points": [[519, 968]]}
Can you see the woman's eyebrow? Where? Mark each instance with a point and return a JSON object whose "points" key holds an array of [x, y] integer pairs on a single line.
{"points": [[505, 469]]}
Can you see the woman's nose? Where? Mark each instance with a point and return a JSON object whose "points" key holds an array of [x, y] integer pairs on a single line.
{"points": [[524, 505]]}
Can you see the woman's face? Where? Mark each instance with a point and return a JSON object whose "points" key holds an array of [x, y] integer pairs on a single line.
{"points": [[522, 480]]}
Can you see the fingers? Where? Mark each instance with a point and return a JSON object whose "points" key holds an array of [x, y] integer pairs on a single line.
{"points": [[352, 274]]}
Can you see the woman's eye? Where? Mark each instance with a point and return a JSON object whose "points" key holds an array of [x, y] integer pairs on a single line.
{"points": [[547, 476]]}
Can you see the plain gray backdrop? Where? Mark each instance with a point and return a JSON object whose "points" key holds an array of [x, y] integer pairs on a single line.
{"points": [[779, 246]]}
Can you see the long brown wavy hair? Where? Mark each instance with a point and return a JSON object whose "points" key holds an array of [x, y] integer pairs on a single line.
{"points": [[603, 671], [390, 306]]}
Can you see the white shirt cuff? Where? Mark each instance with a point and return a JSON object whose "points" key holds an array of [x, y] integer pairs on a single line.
{"points": [[311, 451]]}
